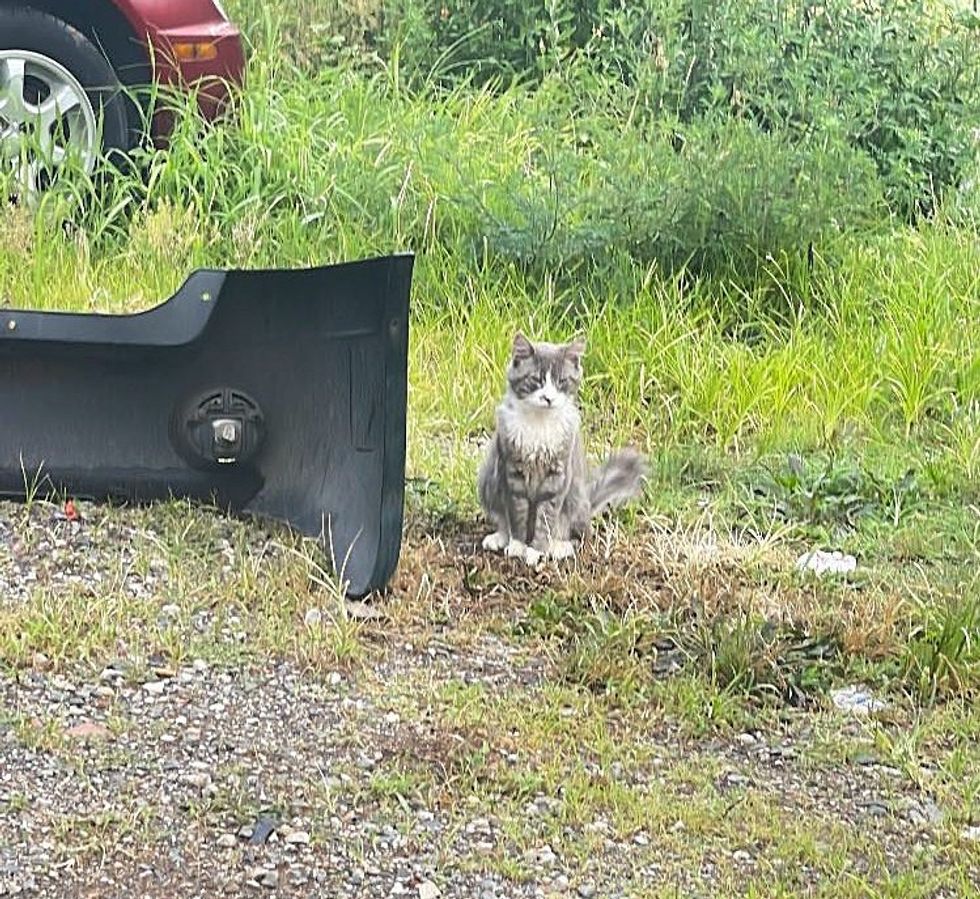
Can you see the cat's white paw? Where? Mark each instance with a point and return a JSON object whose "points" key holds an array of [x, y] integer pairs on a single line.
{"points": [[533, 556], [515, 549], [495, 542], [560, 549]]}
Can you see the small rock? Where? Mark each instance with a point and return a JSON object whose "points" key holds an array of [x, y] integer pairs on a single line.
{"points": [[542, 856], [740, 855], [298, 838], [428, 890], [586, 890], [484, 847], [155, 687], [874, 808], [923, 813], [199, 779], [747, 739], [559, 884], [971, 833], [266, 877], [226, 841], [313, 617], [89, 730]]}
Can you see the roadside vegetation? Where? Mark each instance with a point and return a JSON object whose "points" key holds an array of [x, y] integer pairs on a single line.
{"points": [[765, 218]]}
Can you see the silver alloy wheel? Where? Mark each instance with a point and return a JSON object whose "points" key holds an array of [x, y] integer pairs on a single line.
{"points": [[46, 118]]}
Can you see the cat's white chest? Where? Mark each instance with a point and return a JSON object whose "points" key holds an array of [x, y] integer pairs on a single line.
{"points": [[538, 436]]}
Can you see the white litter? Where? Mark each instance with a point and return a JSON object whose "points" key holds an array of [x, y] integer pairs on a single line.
{"points": [[820, 562], [857, 699]]}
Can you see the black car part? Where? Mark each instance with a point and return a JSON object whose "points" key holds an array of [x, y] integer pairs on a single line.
{"points": [[279, 393]]}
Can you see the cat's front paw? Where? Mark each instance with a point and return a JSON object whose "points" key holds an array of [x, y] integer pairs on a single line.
{"points": [[495, 542], [515, 549], [533, 556], [560, 549]]}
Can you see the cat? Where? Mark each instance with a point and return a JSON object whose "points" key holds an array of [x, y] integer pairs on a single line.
{"points": [[534, 482]]}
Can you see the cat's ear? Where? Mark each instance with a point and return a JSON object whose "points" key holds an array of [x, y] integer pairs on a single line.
{"points": [[575, 350], [522, 348]]}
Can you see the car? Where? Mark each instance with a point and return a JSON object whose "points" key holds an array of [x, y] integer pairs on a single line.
{"points": [[71, 74]]}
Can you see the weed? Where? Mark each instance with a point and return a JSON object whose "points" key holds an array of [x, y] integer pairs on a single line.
{"points": [[942, 656]]}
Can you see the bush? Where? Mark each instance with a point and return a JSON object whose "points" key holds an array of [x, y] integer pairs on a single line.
{"points": [[898, 81]]}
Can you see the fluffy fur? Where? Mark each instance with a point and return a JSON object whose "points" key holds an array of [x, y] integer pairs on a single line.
{"points": [[534, 483]]}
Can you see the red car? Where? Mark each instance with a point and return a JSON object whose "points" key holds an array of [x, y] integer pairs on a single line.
{"points": [[65, 68]]}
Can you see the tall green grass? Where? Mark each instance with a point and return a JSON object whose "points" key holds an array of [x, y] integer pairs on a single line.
{"points": [[518, 202]]}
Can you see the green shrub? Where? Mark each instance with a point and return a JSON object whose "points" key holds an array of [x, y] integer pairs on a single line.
{"points": [[898, 81]]}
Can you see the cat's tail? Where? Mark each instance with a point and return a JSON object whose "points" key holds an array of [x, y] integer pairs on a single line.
{"points": [[617, 480]]}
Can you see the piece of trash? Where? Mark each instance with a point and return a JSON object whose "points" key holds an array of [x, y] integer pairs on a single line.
{"points": [[262, 830], [71, 513], [857, 699], [820, 562]]}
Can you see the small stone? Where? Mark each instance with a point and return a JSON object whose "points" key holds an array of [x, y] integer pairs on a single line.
{"points": [[226, 841], [41, 662], [586, 890], [641, 839], [924, 813], [267, 878], [89, 730], [313, 617], [971, 833], [747, 739], [541, 856], [740, 855], [484, 847], [559, 884], [199, 779], [428, 890], [875, 808], [298, 838], [155, 687], [335, 678]]}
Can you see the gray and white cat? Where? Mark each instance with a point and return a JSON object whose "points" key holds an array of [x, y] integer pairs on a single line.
{"points": [[535, 483]]}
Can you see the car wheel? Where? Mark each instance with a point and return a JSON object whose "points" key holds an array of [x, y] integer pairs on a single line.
{"points": [[59, 100]]}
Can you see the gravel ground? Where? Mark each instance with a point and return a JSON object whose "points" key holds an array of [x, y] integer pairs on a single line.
{"points": [[196, 778]]}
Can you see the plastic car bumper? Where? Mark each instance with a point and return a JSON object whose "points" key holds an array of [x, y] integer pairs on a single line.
{"points": [[279, 393]]}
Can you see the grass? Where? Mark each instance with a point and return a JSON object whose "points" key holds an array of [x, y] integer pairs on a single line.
{"points": [[843, 413]]}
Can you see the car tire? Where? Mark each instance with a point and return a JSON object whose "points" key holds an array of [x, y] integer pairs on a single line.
{"points": [[52, 46]]}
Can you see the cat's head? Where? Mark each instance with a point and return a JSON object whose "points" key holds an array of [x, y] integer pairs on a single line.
{"points": [[545, 375]]}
